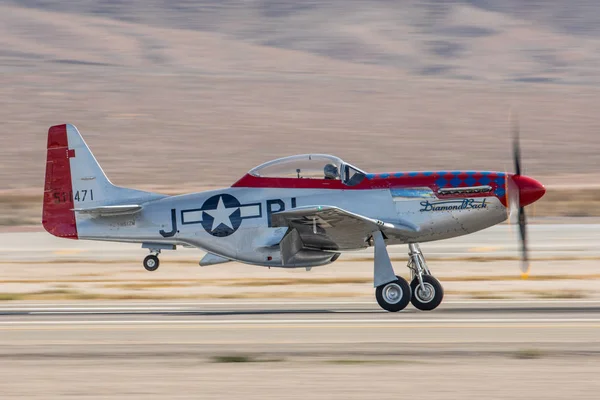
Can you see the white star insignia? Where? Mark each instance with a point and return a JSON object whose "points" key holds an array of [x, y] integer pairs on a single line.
{"points": [[221, 215]]}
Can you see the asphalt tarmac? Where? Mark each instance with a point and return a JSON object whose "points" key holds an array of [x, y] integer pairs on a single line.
{"points": [[281, 327], [299, 349], [318, 348]]}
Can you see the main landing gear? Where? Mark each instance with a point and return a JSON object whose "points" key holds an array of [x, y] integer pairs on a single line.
{"points": [[393, 296], [393, 293]]}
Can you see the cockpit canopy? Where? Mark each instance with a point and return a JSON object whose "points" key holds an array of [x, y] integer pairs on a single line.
{"points": [[310, 166]]}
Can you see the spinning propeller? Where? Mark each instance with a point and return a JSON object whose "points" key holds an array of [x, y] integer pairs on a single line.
{"points": [[521, 190], [513, 199]]}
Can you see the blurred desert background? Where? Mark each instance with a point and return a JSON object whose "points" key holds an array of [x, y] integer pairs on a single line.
{"points": [[184, 96]]}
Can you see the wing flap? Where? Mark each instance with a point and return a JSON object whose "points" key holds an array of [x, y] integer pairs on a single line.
{"points": [[106, 211], [332, 228]]}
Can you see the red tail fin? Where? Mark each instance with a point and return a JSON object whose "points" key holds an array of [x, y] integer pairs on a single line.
{"points": [[58, 216]]}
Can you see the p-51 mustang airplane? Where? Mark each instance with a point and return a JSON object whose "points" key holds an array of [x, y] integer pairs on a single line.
{"points": [[299, 211]]}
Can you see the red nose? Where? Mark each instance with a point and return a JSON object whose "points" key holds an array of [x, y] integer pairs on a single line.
{"points": [[530, 190]]}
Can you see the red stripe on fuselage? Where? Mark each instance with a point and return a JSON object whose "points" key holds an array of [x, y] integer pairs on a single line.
{"points": [[58, 217], [252, 181], [387, 181]]}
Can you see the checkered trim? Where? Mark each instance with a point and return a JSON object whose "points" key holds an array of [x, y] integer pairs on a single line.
{"points": [[455, 179]]}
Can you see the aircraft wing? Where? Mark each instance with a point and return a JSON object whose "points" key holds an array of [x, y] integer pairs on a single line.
{"points": [[332, 228], [107, 211]]}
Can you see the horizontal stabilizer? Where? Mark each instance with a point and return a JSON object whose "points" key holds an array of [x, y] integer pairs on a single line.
{"points": [[107, 211]]}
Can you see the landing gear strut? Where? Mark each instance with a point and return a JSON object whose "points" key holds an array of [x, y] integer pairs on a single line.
{"points": [[427, 292], [392, 292]]}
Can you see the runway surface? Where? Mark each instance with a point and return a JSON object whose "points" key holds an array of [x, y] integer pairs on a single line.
{"points": [[321, 348], [300, 349], [283, 327]]}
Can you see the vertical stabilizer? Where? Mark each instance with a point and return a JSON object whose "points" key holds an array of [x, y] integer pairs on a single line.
{"points": [[75, 181], [91, 187]]}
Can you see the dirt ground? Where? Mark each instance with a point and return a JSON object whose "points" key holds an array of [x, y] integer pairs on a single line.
{"points": [[344, 279]]}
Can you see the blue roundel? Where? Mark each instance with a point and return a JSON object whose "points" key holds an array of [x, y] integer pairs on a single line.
{"points": [[221, 215]]}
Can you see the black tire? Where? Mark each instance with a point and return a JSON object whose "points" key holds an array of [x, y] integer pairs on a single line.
{"points": [[394, 296], [151, 263], [426, 301]]}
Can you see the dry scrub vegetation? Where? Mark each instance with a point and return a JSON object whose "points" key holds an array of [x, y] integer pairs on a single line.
{"points": [[489, 287]]}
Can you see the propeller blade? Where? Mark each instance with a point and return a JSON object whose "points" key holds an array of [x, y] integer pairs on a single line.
{"points": [[516, 146], [524, 248], [513, 198]]}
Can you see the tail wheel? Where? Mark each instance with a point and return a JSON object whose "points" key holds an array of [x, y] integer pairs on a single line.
{"points": [[429, 296], [151, 262], [393, 296]]}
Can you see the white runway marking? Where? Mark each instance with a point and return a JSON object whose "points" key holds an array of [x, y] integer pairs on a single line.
{"points": [[309, 321], [171, 306]]}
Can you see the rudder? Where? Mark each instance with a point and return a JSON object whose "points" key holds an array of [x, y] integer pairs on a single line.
{"points": [[58, 217]]}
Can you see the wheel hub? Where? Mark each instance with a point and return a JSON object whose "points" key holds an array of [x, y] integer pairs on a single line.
{"points": [[392, 293], [425, 292], [150, 263]]}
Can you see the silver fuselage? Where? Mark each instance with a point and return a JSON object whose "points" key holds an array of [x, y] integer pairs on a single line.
{"points": [[180, 220]]}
